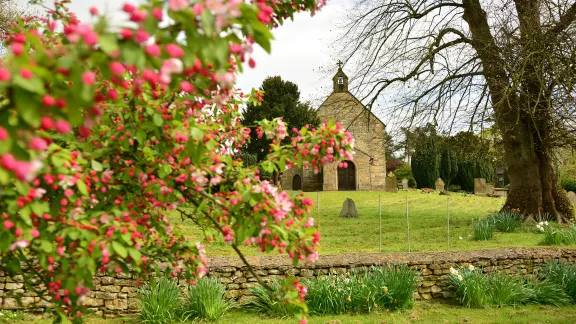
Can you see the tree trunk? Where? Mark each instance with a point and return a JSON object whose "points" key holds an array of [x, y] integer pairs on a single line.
{"points": [[534, 189]]}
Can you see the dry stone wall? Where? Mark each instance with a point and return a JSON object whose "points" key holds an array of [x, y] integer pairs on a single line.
{"points": [[117, 295]]}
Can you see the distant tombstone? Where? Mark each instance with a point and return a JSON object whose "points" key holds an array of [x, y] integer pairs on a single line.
{"points": [[439, 184], [572, 197], [480, 186], [404, 183], [489, 189], [349, 209], [391, 184]]}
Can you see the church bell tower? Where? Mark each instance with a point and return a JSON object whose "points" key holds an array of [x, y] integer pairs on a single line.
{"points": [[340, 80]]}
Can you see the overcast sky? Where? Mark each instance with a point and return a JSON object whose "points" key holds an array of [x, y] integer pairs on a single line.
{"points": [[299, 51]]}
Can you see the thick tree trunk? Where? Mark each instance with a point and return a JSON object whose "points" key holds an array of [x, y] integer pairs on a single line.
{"points": [[534, 188]]}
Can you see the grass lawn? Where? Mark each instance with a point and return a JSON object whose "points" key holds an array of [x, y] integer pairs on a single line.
{"points": [[428, 224], [421, 313]]}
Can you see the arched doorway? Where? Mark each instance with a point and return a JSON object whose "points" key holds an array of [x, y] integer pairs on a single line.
{"points": [[297, 182], [347, 176]]}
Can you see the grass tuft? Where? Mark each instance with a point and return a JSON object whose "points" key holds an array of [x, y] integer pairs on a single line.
{"points": [[554, 235], [266, 303], [159, 301], [482, 230], [505, 221], [562, 274], [206, 300]]}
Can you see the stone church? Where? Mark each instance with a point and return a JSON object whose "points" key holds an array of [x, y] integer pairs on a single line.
{"points": [[368, 170]]}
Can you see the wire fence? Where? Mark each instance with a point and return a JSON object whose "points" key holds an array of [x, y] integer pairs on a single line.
{"points": [[428, 224]]}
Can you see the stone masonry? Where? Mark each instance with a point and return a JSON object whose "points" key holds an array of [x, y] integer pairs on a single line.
{"points": [[117, 295]]}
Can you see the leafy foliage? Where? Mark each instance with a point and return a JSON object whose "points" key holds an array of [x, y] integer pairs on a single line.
{"points": [[206, 300], [556, 235], [568, 184], [160, 301], [405, 172], [281, 99], [562, 274], [448, 167]]}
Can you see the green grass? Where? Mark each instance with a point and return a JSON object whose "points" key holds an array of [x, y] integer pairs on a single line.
{"points": [[428, 221], [421, 313]]}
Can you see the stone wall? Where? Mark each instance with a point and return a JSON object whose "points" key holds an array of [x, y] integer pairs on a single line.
{"points": [[117, 295]]}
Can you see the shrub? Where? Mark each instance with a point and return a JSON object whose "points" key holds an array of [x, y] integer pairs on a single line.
{"points": [[159, 301], [7, 316], [505, 221], [362, 292], [206, 300], [482, 230], [561, 273], [405, 172], [554, 235], [454, 188], [569, 184], [265, 302]]}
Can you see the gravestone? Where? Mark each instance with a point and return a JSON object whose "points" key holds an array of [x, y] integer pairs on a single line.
{"points": [[405, 184], [391, 184], [480, 186], [439, 184], [349, 209], [572, 197]]}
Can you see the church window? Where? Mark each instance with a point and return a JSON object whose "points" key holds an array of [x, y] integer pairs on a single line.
{"points": [[340, 80]]}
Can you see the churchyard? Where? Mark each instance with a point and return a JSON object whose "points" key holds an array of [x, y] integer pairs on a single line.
{"points": [[427, 218]]}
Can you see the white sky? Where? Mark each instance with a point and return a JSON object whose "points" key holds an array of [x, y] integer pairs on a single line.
{"points": [[299, 52]]}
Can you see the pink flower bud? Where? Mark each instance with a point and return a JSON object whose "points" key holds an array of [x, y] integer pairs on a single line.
{"points": [[4, 75], [38, 144], [117, 68], [46, 123], [142, 36], [26, 74], [35, 233], [8, 224], [17, 48], [177, 5], [62, 126], [91, 38], [48, 100], [157, 13], [89, 78], [129, 8], [153, 50], [93, 11], [8, 162], [3, 133], [174, 50]]}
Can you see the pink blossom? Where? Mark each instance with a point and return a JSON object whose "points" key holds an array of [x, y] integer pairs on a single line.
{"points": [[177, 5], [19, 244], [91, 38], [8, 161], [117, 68], [17, 49], [38, 144], [35, 233], [8, 224], [62, 126], [157, 13], [4, 75], [89, 78], [309, 222], [3, 133], [174, 50], [153, 50], [93, 11], [142, 36], [197, 9]]}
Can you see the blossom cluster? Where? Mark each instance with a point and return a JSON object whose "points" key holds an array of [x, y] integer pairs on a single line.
{"points": [[104, 134]]}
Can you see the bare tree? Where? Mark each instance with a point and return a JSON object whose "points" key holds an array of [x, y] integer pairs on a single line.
{"points": [[460, 62]]}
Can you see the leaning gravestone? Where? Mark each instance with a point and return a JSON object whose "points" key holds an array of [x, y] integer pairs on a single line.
{"points": [[349, 209], [439, 184], [572, 197]]}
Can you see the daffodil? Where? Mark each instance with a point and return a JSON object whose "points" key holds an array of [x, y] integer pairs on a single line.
{"points": [[349, 299], [460, 277]]}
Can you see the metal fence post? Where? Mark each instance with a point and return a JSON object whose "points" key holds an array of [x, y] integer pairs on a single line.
{"points": [[318, 209], [380, 222], [448, 213], [408, 223]]}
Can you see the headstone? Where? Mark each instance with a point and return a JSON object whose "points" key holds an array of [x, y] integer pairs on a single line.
{"points": [[480, 186], [349, 209], [572, 197], [439, 184], [391, 184], [489, 189], [405, 184]]}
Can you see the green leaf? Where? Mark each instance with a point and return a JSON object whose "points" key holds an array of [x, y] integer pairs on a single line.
{"points": [[108, 43], [135, 254], [141, 136], [34, 85], [197, 134], [22, 188], [158, 121], [96, 166], [4, 176], [4, 241], [82, 187], [119, 249], [28, 107], [39, 207], [46, 246]]}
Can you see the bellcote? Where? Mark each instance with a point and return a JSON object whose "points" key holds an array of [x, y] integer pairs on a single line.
{"points": [[340, 80]]}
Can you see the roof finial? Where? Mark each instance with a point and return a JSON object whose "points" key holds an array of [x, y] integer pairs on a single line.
{"points": [[339, 64]]}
